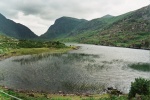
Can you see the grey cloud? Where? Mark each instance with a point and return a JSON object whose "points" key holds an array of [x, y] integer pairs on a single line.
{"points": [[50, 10]]}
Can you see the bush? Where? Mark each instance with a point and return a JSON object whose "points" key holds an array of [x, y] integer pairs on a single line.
{"points": [[145, 97], [141, 86]]}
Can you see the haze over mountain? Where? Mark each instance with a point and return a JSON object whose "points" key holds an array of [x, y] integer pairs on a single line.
{"points": [[16, 30]]}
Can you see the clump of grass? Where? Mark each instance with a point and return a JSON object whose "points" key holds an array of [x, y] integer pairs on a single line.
{"points": [[141, 66]]}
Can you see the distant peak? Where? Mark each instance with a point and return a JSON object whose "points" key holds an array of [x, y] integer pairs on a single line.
{"points": [[70, 18], [107, 16], [66, 17]]}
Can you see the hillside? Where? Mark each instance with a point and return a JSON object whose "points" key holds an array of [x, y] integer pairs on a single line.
{"points": [[16, 30], [67, 26], [132, 31]]}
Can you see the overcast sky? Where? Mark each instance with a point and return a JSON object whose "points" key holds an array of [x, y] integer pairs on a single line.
{"points": [[38, 15]]}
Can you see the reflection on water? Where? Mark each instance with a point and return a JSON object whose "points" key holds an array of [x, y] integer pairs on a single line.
{"points": [[77, 71]]}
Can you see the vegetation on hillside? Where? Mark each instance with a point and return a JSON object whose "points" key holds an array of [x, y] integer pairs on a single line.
{"points": [[130, 40], [120, 31]]}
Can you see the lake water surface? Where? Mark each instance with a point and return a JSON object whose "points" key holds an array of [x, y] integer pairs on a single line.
{"points": [[91, 68]]}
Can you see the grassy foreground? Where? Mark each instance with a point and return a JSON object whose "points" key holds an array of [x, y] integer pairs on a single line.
{"points": [[24, 95]]}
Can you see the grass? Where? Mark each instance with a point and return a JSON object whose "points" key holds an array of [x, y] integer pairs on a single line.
{"points": [[13, 47], [31, 51], [45, 96], [4, 97], [141, 67], [26, 51]]}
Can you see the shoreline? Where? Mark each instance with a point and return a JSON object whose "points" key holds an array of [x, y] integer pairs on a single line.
{"points": [[121, 46]]}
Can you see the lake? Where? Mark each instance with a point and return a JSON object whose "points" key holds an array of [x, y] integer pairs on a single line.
{"points": [[91, 69]]}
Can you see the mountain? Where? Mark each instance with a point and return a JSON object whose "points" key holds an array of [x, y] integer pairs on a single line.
{"points": [[128, 30], [95, 24], [131, 29], [16, 30], [65, 27], [62, 27]]}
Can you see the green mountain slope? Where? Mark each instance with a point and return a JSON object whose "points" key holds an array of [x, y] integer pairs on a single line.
{"points": [[65, 27], [128, 30], [91, 28], [95, 24], [132, 31], [62, 27], [16, 30]]}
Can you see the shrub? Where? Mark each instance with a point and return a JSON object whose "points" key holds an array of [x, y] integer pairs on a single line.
{"points": [[141, 86]]}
